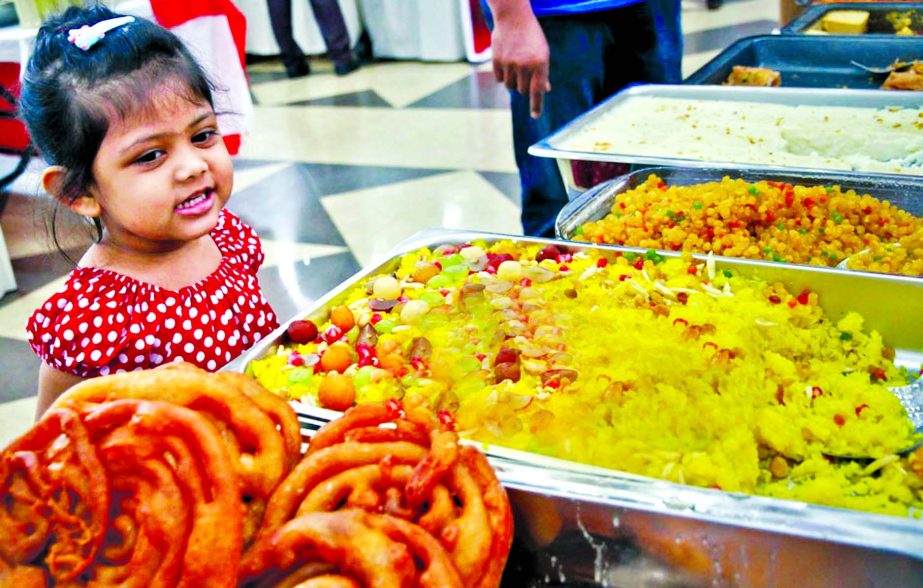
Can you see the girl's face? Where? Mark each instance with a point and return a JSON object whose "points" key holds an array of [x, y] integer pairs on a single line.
{"points": [[162, 175]]}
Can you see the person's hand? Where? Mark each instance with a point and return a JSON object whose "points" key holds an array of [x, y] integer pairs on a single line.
{"points": [[520, 55]]}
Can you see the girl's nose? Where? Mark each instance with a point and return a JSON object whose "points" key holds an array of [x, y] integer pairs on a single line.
{"points": [[191, 167]]}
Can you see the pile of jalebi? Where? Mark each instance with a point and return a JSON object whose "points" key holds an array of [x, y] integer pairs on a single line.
{"points": [[417, 486], [177, 477]]}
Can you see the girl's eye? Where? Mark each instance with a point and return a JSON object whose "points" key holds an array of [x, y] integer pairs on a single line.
{"points": [[149, 156], [205, 137]]}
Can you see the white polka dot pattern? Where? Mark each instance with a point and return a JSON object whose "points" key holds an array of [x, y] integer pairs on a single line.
{"points": [[104, 322]]}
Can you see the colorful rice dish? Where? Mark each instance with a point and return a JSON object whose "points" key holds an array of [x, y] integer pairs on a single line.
{"points": [[764, 220], [665, 368]]}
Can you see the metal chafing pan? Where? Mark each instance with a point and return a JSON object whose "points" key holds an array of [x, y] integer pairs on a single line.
{"points": [[878, 25], [584, 525], [811, 61], [905, 192], [568, 159]]}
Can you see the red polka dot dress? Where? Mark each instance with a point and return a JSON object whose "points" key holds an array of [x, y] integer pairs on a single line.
{"points": [[105, 322]]}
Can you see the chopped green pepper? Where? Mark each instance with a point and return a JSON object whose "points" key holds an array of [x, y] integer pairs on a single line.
{"points": [[697, 205], [845, 336], [754, 190], [653, 256], [727, 273], [836, 217]]}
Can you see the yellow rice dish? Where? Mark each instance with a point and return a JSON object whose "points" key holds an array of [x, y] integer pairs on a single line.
{"points": [[816, 225], [662, 367]]}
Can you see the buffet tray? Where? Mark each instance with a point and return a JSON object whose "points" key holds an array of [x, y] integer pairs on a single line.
{"points": [[742, 520], [878, 23], [551, 146], [905, 192], [812, 61]]}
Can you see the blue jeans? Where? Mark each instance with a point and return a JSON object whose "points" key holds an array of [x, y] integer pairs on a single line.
{"points": [[593, 55], [669, 37]]}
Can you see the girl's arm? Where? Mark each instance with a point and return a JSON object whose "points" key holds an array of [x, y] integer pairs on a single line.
{"points": [[51, 384]]}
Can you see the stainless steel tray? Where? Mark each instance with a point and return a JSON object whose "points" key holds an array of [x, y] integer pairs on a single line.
{"points": [[812, 61], [905, 192], [552, 146], [890, 304]]}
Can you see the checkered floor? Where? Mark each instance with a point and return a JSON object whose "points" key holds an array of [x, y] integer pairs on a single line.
{"points": [[335, 172]]}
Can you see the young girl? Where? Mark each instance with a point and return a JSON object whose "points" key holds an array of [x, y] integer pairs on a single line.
{"points": [[124, 115]]}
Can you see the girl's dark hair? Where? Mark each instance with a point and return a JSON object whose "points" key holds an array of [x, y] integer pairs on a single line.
{"points": [[68, 94]]}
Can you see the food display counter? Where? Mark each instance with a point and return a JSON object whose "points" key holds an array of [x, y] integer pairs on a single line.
{"points": [[711, 377]]}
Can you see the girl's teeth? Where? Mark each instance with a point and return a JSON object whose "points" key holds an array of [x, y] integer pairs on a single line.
{"points": [[193, 201]]}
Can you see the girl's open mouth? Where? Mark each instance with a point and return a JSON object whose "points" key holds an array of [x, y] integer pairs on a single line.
{"points": [[197, 204]]}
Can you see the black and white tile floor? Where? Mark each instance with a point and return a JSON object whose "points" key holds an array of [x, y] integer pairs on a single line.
{"points": [[335, 172]]}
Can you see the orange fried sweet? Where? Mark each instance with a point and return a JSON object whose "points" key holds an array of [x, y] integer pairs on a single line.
{"points": [[352, 548], [176, 517], [408, 466], [260, 452], [54, 490]]}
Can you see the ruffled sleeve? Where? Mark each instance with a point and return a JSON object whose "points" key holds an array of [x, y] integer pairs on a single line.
{"points": [[238, 242], [87, 326]]}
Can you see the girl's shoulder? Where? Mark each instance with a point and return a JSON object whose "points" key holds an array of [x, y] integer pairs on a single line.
{"points": [[238, 242], [103, 321]]}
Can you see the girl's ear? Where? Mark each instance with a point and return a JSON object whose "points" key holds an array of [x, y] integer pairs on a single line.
{"points": [[53, 182]]}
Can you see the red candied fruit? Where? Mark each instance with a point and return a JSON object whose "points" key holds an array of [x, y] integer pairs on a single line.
{"points": [[602, 262], [507, 355], [301, 332], [839, 420], [548, 252], [682, 297], [803, 297], [639, 263]]}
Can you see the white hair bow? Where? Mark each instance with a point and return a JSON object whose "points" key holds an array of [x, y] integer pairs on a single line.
{"points": [[87, 36]]}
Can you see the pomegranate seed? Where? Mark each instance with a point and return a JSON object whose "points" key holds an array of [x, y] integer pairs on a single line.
{"points": [[682, 297], [602, 262], [839, 420], [295, 360], [860, 408], [775, 299], [375, 318], [803, 297], [692, 270], [815, 392]]}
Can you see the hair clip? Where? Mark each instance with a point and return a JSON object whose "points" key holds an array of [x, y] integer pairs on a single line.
{"points": [[87, 36]]}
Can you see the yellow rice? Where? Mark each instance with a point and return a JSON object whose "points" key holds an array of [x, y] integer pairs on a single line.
{"points": [[706, 378]]}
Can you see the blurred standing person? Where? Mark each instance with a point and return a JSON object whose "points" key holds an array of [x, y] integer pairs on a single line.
{"points": [[669, 38], [560, 58], [332, 26]]}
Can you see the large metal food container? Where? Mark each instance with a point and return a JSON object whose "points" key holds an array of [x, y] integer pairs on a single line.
{"points": [[570, 160], [878, 23], [812, 61], [905, 193], [583, 525]]}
